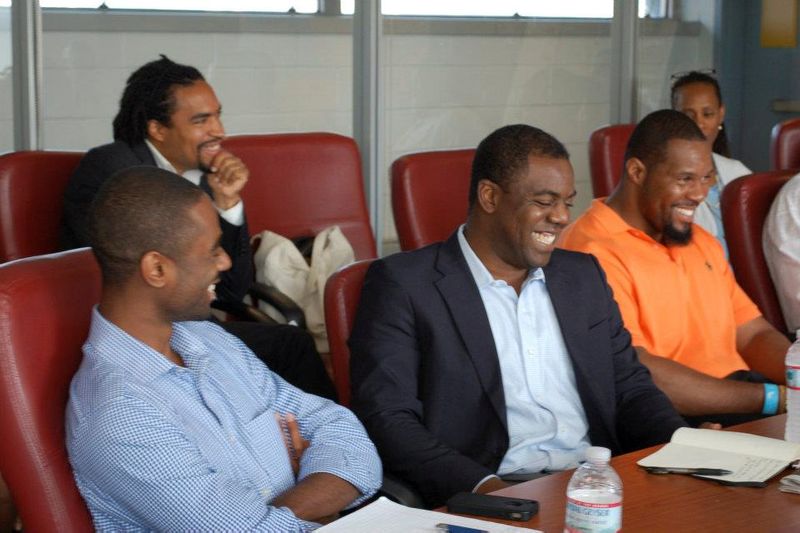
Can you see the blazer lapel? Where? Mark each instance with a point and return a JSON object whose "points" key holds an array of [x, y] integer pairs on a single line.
{"points": [[143, 154], [458, 289], [572, 319]]}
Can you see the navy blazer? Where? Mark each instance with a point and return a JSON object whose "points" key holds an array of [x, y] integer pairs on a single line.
{"points": [[101, 163], [426, 378]]}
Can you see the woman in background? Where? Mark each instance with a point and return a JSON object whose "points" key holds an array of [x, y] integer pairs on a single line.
{"points": [[697, 95]]}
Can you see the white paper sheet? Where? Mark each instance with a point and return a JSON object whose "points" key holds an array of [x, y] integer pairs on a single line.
{"points": [[385, 516]]}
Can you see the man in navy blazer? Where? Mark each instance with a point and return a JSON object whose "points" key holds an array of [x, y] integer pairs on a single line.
{"points": [[170, 117], [493, 354]]}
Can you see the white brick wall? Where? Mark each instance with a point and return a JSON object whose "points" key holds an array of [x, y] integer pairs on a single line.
{"points": [[441, 91]]}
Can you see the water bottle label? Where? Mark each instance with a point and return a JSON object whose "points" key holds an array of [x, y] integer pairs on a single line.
{"points": [[585, 517], [793, 377]]}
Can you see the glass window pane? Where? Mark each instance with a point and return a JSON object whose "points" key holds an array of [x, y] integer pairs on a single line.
{"points": [[579, 8], [275, 6], [500, 8], [6, 83], [496, 8]]}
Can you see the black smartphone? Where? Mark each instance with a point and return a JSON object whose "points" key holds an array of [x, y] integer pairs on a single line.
{"points": [[494, 506]]}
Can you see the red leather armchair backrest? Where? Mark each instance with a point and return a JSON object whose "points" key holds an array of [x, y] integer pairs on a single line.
{"points": [[784, 147], [301, 183], [31, 201], [45, 310], [606, 157], [430, 195], [342, 294], [745, 205]]}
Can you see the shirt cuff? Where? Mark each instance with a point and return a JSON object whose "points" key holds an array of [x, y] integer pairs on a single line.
{"points": [[479, 483], [234, 215]]}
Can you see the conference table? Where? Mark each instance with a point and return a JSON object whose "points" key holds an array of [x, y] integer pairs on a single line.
{"points": [[675, 503]]}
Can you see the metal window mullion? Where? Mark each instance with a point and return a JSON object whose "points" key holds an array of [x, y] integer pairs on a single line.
{"points": [[26, 31], [368, 106], [331, 8], [623, 62]]}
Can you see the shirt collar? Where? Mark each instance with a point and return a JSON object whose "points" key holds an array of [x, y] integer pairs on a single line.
{"points": [[612, 222], [143, 362], [480, 273], [163, 163]]}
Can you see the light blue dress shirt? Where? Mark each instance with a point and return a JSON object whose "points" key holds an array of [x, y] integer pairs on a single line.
{"points": [[713, 202], [156, 446], [547, 425]]}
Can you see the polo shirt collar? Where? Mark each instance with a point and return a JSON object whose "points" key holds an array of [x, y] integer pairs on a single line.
{"points": [[613, 223]]}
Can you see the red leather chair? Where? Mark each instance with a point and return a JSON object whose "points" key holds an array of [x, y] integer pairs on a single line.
{"points": [[301, 183], [745, 204], [342, 294], [784, 147], [430, 193], [45, 305], [31, 195], [606, 156]]}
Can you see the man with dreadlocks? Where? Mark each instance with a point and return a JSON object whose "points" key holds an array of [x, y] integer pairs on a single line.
{"points": [[169, 117]]}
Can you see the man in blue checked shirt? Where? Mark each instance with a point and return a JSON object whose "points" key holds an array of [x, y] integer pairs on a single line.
{"points": [[174, 424]]}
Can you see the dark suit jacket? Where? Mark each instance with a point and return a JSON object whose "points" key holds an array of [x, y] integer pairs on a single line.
{"points": [[101, 163], [426, 378]]}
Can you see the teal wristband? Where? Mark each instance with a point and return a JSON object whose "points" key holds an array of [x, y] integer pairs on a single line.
{"points": [[771, 395]]}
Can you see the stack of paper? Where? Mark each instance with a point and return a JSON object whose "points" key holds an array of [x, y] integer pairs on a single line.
{"points": [[790, 483], [388, 517]]}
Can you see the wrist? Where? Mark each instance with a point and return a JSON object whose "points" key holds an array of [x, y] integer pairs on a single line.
{"points": [[781, 399], [226, 202]]}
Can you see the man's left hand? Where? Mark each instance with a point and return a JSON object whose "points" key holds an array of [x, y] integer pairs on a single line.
{"points": [[227, 176]]}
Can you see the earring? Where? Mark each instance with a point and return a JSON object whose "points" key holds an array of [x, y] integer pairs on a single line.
{"points": [[719, 127]]}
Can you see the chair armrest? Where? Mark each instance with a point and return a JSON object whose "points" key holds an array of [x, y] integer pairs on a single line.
{"points": [[243, 311], [400, 492], [288, 308]]}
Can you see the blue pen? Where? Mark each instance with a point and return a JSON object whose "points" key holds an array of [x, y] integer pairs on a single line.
{"points": [[452, 528]]}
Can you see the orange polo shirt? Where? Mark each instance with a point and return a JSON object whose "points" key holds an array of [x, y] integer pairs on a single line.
{"points": [[679, 302]]}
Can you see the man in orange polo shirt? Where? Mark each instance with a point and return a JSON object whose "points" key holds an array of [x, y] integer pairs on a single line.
{"points": [[692, 325]]}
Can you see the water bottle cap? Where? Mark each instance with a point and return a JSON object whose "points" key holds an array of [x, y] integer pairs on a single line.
{"points": [[598, 454]]}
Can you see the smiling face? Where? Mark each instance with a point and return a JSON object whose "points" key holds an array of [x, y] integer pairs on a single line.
{"points": [[700, 103], [198, 267], [192, 137], [530, 212], [671, 190]]}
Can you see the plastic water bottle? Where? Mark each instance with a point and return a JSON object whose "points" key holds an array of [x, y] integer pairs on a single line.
{"points": [[594, 495], [793, 392]]}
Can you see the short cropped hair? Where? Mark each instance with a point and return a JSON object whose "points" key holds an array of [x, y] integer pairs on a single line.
{"points": [[150, 95], [138, 210], [503, 155], [649, 139]]}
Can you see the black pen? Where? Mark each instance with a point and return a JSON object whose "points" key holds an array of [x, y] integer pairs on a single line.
{"points": [[691, 471]]}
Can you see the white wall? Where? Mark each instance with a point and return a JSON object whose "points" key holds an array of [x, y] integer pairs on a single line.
{"points": [[442, 91], [266, 83]]}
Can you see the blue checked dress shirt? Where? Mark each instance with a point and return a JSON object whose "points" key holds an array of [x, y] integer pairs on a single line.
{"points": [[155, 446]]}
